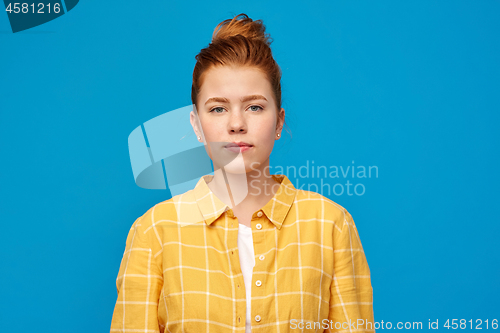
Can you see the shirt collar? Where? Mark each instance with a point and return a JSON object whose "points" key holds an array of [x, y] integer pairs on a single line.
{"points": [[211, 207]]}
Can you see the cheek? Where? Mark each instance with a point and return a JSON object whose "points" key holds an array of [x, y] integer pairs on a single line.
{"points": [[211, 130], [265, 135], [265, 130]]}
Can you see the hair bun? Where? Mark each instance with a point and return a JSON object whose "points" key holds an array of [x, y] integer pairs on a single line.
{"points": [[242, 25]]}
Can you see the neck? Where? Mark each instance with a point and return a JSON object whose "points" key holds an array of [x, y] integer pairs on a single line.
{"points": [[240, 190]]}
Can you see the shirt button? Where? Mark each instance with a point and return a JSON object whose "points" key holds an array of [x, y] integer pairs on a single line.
{"points": [[261, 257], [259, 214], [258, 283], [258, 226], [257, 318]]}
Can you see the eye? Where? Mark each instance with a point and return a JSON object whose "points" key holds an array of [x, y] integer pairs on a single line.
{"points": [[257, 106], [218, 107]]}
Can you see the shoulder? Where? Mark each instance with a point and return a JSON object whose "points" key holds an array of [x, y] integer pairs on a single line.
{"points": [[164, 213], [323, 207]]}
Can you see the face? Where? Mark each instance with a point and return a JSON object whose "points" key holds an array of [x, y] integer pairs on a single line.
{"points": [[236, 105]]}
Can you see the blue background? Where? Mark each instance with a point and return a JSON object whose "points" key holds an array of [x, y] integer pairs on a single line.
{"points": [[409, 87]]}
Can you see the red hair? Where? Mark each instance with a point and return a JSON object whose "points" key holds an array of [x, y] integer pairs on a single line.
{"points": [[239, 41]]}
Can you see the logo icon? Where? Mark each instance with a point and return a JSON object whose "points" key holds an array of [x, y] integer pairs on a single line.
{"points": [[165, 154]]}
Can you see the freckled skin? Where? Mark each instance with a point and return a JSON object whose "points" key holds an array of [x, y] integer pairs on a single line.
{"points": [[255, 121]]}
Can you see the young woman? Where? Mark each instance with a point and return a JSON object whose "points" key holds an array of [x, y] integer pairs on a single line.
{"points": [[244, 251]]}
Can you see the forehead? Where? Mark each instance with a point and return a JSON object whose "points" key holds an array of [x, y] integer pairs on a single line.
{"points": [[233, 82]]}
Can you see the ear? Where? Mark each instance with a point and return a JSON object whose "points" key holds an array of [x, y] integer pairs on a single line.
{"points": [[195, 123], [281, 120]]}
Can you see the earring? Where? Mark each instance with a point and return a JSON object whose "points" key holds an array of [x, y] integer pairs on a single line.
{"points": [[199, 138], [278, 135]]}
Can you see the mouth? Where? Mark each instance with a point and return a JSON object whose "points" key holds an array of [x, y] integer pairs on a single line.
{"points": [[237, 147]]}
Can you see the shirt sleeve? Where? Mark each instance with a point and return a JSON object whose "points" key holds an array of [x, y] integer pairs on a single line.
{"points": [[139, 284], [351, 301]]}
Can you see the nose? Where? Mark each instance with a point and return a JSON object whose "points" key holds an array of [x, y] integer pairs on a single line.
{"points": [[237, 123]]}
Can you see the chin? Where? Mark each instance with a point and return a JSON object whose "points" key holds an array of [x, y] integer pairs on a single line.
{"points": [[234, 168], [235, 172], [238, 166]]}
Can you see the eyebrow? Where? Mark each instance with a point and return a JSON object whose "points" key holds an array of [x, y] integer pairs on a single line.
{"points": [[243, 99]]}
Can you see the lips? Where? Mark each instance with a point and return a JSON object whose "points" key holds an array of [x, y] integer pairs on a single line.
{"points": [[238, 147], [238, 144]]}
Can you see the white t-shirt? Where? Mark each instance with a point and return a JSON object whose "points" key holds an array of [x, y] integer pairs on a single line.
{"points": [[247, 262]]}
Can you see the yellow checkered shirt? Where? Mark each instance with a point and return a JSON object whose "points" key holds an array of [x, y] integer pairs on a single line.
{"points": [[180, 271]]}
